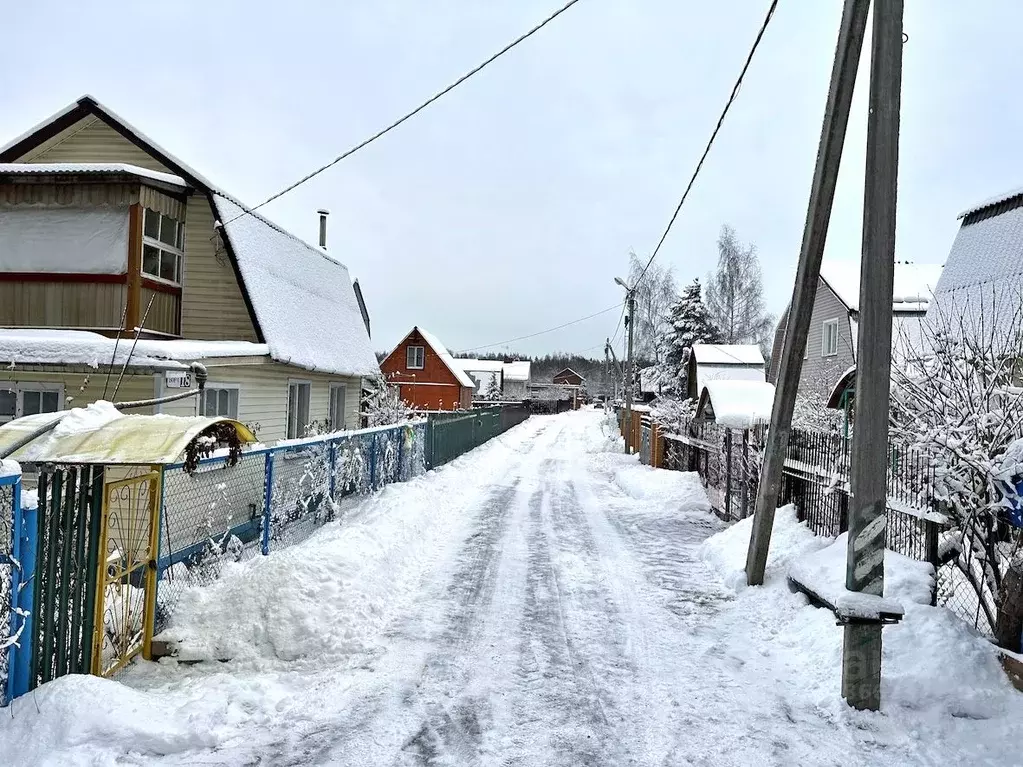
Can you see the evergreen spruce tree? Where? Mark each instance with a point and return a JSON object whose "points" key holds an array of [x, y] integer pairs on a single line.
{"points": [[690, 323]]}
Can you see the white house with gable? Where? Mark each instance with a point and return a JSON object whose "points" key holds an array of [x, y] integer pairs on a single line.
{"points": [[103, 231]]}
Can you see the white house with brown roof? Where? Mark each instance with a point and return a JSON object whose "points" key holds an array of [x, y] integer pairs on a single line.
{"points": [[103, 232]]}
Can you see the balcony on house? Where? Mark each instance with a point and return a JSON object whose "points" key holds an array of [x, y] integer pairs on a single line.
{"points": [[91, 246]]}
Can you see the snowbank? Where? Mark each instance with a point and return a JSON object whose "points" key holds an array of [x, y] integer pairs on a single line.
{"points": [[726, 551], [9, 468], [682, 490], [824, 573], [78, 713], [937, 673]]}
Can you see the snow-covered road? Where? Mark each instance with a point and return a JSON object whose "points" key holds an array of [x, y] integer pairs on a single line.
{"points": [[540, 601]]}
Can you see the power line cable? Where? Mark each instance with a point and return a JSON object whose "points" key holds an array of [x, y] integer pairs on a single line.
{"points": [[541, 332], [411, 114], [713, 136]]}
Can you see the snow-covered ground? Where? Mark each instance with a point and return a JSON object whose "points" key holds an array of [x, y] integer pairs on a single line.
{"points": [[543, 600]]}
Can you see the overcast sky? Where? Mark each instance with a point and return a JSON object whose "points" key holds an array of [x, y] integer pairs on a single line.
{"points": [[509, 206]]}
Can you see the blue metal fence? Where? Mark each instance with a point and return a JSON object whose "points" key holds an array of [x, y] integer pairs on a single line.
{"points": [[271, 498], [17, 586]]}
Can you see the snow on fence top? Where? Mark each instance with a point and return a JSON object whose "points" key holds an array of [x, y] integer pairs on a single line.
{"points": [[737, 404], [79, 347], [445, 356], [728, 354], [914, 284], [39, 168]]}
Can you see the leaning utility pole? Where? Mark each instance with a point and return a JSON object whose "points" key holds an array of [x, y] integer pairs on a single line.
{"points": [[868, 496], [822, 195]]}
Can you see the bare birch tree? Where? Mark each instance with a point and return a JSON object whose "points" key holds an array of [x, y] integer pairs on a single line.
{"points": [[655, 295], [735, 293]]}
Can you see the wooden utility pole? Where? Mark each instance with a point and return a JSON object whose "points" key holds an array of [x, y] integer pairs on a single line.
{"points": [[822, 195], [861, 657], [629, 375]]}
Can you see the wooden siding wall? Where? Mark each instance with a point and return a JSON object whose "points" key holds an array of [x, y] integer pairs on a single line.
{"points": [[820, 373], [86, 387], [163, 314], [212, 306], [263, 396], [92, 140], [61, 304]]}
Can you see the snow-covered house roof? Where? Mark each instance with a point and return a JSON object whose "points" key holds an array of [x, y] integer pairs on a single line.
{"points": [[481, 366], [519, 370], [486, 372], [737, 404], [728, 354], [983, 275], [912, 290], [445, 356], [89, 169], [29, 346], [301, 300]]}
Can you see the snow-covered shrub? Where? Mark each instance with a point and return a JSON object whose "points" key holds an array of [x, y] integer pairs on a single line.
{"points": [[674, 415], [383, 405], [956, 399]]}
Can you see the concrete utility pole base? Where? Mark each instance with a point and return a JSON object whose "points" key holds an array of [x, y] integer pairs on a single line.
{"points": [[861, 666]]}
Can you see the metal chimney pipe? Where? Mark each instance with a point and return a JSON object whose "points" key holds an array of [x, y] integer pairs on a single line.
{"points": [[323, 227]]}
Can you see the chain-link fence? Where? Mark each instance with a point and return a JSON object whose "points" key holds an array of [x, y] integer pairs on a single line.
{"points": [[271, 498]]}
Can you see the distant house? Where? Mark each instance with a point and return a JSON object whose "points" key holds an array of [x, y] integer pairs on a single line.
{"points": [[650, 384], [830, 355], [485, 375], [103, 231], [511, 377], [569, 377], [982, 282], [427, 375], [721, 362], [517, 378]]}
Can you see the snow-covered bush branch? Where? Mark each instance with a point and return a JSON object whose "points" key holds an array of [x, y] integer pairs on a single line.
{"points": [[955, 399], [383, 405]]}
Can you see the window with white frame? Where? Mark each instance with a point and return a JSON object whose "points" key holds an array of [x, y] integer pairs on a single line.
{"points": [[21, 399], [829, 338], [163, 244], [298, 408], [338, 395], [219, 400], [415, 357]]}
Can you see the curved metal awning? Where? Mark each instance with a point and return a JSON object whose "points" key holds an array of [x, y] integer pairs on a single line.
{"points": [[111, 439], [846, 381]]}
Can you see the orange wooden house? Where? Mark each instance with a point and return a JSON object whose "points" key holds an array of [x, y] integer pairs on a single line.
{"points": [[427, 375]]}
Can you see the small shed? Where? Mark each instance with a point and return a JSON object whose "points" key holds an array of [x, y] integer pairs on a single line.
{"points": [[718, 362], [736, 404]]}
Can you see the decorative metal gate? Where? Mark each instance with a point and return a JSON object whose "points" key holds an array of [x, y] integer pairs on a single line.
{"points": [[61, 623], [127, 572]]}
